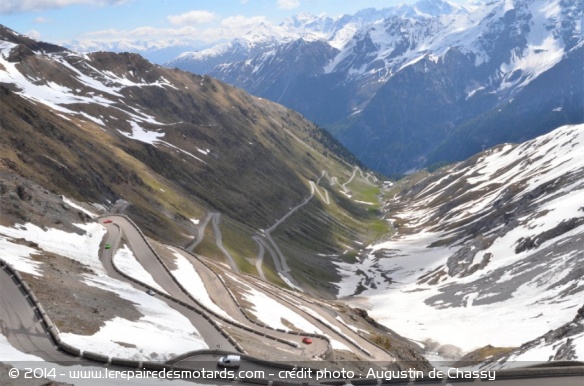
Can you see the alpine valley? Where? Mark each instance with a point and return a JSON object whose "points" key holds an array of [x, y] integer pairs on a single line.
{"points": [[139, 200], [240, 201], [417, 85]]}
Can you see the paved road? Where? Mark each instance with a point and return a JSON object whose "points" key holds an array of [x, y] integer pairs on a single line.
{"points": [[265, 245], [148, 260], [218, 293], [296, 303], [277, 255], [200, 232], [210, 362], [344, 186], [325, 197], [215, 218], [270, 244], [260, 259], [344, 334], [219, 242], [20, 324], [366, 177]]}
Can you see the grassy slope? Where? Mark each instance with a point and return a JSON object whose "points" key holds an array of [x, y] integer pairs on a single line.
{"points": [[261, 159]]}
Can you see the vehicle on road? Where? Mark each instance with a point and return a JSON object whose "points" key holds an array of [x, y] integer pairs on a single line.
{"points": [[306, 340], [229, 361], [150, 292], [108, 246], [107, 221]]}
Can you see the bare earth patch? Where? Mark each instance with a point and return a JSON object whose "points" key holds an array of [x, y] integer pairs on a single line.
{"points": [[72, 305]]}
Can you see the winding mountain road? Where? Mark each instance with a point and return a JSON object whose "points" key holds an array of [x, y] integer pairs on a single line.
{"points": [[212, 337], [265, 241], [219, 242], [277, 255], [325, 197], [344, 186], [151, 263], [23, 329], [200, 232], [215, 218], [260, 258], [366, 177]]}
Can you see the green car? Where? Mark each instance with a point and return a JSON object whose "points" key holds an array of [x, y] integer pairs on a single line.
{"points": [[108, 246]]}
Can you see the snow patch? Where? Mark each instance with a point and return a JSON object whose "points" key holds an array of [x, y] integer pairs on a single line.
{"points": [[20, 257], [126, 262], [186, 274], [168, 332], [142, 135], [78, 207]]}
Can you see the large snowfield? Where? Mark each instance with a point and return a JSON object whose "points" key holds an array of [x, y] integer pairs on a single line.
{"points": [[518, 296]]}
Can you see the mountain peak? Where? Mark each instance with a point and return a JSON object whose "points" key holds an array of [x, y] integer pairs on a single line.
{"points": [[483, 55], [430, 8], [28, 44]]}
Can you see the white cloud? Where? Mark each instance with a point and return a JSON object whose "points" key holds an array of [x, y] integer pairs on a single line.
{"points": [[42, 20], [15, 6], [142, 32], [288, 4], [226, 29], [192, 17], [241, 22]]}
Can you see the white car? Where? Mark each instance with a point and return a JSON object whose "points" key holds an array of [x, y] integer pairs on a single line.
{"points": [[229, 361]]}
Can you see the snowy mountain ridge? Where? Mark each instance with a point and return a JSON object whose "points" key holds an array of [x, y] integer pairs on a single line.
{"points": [[465, 68], [431, 28], [334, 29], [495, 240]]}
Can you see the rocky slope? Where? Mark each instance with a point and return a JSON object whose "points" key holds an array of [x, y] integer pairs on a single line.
{"points": [[565, 343], [487, 251], [416, 85], [105, 127]]}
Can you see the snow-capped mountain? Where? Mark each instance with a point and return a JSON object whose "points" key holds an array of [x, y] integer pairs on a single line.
{"points": [[336, 31], [256, 42], [399, 87], [495, 238], [487, 251]]}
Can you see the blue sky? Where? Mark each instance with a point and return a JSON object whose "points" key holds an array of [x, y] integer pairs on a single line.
{"points": [[61, 21]]}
